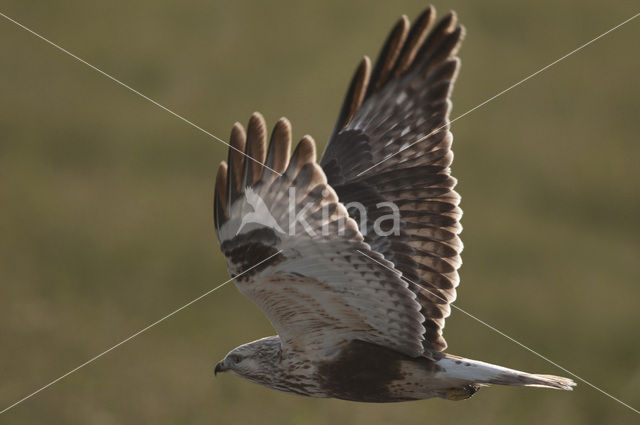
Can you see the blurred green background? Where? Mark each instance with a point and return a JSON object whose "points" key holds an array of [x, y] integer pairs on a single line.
{"points": [[106, 216]]}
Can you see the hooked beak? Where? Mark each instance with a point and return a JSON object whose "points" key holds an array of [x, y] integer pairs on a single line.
{"points": [[217, 369]]}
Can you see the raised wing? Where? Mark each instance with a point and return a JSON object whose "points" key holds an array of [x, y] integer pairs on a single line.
{"points": [[316, 289], [392, 144]]}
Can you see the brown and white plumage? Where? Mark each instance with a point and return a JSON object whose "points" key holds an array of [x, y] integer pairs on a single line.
{"points": [[297, 288], [407, 98], [359, 313]]}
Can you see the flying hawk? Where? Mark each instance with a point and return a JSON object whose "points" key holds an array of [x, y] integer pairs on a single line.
{"points": [[359, 310]]}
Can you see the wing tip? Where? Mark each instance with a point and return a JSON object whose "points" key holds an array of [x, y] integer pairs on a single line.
{"points": [[283, 122], [257, 121], [308, 145], [237, 132]]}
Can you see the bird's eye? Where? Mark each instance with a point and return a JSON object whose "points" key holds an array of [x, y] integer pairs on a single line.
{"points": [[235, 358]]}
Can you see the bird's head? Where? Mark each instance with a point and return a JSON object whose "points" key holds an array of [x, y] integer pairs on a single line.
{"points": [[253, 360]]}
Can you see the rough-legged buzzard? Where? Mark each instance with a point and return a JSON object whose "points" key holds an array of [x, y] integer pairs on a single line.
{"points": [[358, 255]]}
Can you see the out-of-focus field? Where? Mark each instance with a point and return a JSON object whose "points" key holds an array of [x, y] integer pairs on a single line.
{"points": [[106, 216]]}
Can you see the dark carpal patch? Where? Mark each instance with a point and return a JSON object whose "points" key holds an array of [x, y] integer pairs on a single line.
{"points": [[365, 372], [248, 249]]}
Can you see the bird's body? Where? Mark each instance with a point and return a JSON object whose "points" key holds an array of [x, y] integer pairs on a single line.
{"points": [[360, 371], [355, 260], [365, 372]]}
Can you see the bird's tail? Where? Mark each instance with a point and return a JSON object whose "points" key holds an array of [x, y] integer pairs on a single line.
{"points": [[477, 372]]}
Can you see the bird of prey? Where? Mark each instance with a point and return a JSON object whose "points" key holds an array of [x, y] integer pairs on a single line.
{"points": [[359, 307]]}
